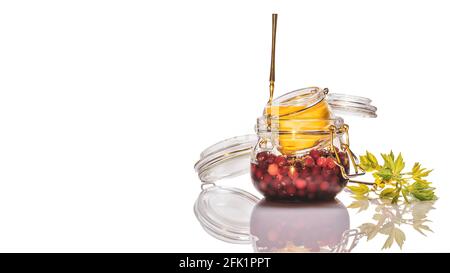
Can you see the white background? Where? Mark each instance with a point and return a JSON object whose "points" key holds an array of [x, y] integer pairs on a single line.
{"points": [[106, 105]]}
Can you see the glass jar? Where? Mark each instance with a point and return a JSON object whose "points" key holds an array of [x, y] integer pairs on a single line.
{"points": [[317, 171], [302, 152], [296, 132]]}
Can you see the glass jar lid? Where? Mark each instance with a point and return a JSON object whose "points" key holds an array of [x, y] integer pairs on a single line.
{"points": [[225, 213], [351, 105], [339, 103], [226, 159]]}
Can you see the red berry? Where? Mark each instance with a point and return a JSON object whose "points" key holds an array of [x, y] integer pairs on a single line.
{"points": [[263, 186], [321, 161], [291, 190], [280, 161], [316, 170], [309, 162], [300, 183], [259, 174], [330, 163], [312, 187], [327, 173], [267, 178], [275, 185], [279, 177], [293, 174], [333, 179], [271, 158], [314, 154], [324, 186], [262, 156], [283, 170], [305, 173], [286, 181], [253, 167], [318, 178], [272, 169]]}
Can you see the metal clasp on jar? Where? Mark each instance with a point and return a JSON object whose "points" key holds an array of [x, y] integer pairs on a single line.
{"points": [[345, 146]]}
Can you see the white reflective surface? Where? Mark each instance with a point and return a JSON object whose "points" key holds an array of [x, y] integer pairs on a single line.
{"points": [[347, 224]]}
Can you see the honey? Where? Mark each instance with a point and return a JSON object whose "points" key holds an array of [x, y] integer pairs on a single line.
{"points": [[291, 120]]}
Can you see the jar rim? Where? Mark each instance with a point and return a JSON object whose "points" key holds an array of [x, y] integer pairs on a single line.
{"points": [[307, 96], [262, 125]]}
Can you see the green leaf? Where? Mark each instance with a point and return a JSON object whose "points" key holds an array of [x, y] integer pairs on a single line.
{"points": [[388, 193], [361, 189], [388, 161], [418, 172], [385, 174], [369, 162], [399, 165]]}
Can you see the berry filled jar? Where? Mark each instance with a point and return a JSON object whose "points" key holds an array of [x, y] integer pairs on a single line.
{"points": [[302, 152]]}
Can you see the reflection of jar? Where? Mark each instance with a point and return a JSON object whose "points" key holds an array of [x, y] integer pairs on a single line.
{"points": [[284, 227], [316, 172]]}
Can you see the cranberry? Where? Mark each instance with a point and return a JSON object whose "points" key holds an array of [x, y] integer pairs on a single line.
{"points": [[333, 179], [291, 189], [318, 178], [316, 170], [330, 163], [262, 156], [283, 170], [309, 162], [267, 178], [301, 193], [279, 177], [271, 158], [327, 173], [286, 181], [314, 154], [321, 161], [293, 174], [312, 187], [263, 186], [276, 185], [259, 174], [253, 167], [300, 183], [280, 161], [324, 186], [305, 173], [272, 169]]}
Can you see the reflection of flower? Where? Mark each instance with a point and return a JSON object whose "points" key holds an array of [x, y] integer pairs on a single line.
{"points": [[389, 218]]}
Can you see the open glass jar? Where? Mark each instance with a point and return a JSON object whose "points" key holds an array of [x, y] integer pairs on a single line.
{"points": [[303, 152]]}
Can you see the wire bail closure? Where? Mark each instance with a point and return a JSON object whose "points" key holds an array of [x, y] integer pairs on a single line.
{"points": [[345, 146]]}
